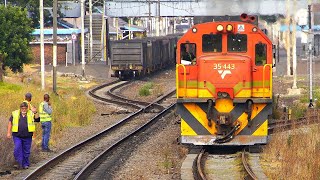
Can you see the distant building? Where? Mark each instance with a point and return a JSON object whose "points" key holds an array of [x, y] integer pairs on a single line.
{"points": [[64, 45]]}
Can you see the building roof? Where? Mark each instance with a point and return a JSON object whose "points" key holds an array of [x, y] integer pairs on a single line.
{"points": [[59, 31], [123, 26], [299, 28]]}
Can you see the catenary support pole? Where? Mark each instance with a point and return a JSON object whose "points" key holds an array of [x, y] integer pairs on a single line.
{"points": [[91, 36], [294, 46], [82, 38], [42, 62], [310, 58], [288, 42], [54, 56]]}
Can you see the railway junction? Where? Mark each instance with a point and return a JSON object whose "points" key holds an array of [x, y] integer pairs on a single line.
{"points": [[133, 128], [156, 148]]}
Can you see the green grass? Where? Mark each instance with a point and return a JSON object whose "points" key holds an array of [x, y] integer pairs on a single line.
{"points": [[70, 108], [145, 89], [6, 88]]}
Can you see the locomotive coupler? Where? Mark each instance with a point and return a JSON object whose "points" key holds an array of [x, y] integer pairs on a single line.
{"points": [[229, 136]]}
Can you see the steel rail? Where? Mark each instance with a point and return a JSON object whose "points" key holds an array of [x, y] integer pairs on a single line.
{"points": [[282, 125], [60, 157], [85, 172], [93, 91], [247, 166], [142, 103], [197, 168]]}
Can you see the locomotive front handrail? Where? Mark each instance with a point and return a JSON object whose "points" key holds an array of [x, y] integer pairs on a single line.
{"points": [[270, 84], [184, 78]]}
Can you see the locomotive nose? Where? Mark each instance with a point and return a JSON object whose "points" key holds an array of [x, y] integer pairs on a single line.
{"points": [[227, 76]]}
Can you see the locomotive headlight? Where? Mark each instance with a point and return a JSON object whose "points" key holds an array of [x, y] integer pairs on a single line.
{"points": [[224, 94], [194, 30], [229, 28], [254, 29], [219, 28]]}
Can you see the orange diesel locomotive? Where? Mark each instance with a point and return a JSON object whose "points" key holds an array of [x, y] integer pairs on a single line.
{"points": [[224, 83]]}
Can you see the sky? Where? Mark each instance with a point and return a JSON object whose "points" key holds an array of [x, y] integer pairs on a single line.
{"points": [[202, 7]]}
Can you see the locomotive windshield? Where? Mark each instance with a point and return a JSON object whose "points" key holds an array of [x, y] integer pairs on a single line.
{"points": [[212, 43], [237, 42]]}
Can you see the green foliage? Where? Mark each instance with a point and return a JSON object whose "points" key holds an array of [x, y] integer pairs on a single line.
{"points": [[8, 88], [145, 89], [15, 36], [32, 6]]}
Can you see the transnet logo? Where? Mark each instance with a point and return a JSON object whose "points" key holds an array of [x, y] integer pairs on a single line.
{"points": [[223, 73]]}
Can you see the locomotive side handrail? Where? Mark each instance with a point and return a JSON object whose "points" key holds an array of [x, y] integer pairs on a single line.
{"points": [[270, 84], [184, 78]]}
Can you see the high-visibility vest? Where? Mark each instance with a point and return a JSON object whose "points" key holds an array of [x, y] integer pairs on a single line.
{"points": [[30, 121], [44, 117], [29, 104]]}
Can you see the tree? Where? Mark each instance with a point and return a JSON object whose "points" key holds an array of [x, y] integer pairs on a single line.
{"points": [[32, 6], [15, 30]]}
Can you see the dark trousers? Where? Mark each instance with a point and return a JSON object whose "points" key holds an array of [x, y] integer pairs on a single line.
{"points": [[46, 129], [22, 147]]}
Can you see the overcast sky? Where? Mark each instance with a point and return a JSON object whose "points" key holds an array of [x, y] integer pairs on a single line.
{"points": [[202, 7]]}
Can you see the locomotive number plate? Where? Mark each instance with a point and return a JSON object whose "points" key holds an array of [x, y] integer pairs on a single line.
{"points": [[223, 66]]}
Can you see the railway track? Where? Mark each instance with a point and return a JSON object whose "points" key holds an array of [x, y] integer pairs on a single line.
{"points": [[226, 166], [79, 161], [255, 172], [285, 124]]}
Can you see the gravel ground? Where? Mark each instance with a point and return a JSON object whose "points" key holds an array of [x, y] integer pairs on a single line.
{"points": [[160, 157], [162, 82]]}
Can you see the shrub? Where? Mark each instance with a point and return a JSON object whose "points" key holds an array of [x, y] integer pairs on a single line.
{"points": [[145, 89]]}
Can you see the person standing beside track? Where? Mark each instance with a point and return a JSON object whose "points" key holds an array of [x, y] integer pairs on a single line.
{"points": [[27, 99], [45, 113], [21, 127]]}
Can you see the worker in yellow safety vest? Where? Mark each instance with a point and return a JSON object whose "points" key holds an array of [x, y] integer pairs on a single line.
{"points": [[27, 99], [45, 113], [21, 127]]}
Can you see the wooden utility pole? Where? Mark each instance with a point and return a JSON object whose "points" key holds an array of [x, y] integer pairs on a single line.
{"points": [[54, 63], [42, 62]]}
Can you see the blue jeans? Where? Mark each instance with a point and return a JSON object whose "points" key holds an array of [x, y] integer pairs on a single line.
{"points": [[46, 129], [22, 147]]}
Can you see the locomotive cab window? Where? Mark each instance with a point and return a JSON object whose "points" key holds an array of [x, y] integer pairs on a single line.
{"points": [[212, 43], [237, 43], [261, 54], [188, 53]]}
